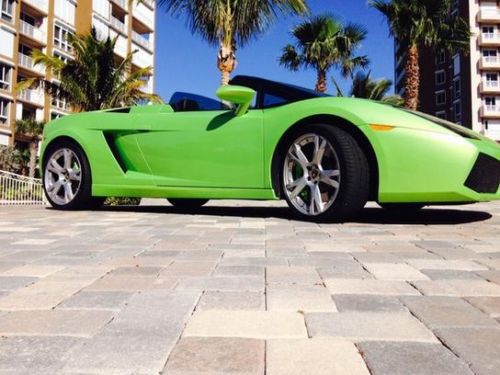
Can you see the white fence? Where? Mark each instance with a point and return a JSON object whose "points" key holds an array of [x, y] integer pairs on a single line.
{"points": [[20, 190]]}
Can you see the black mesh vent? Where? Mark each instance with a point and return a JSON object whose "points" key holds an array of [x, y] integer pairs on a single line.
{"points": [[485, 175]]}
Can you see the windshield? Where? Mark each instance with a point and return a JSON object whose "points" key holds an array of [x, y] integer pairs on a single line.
{"points": [[273, 94]]}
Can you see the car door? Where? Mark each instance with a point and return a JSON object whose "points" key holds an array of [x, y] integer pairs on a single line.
{"points": [[205, 149]]}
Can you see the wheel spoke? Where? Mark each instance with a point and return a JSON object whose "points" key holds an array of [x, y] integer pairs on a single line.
{"points": [[296, 187], [299, 156], [75, 175], [319, 150], [327, 177], [54, 189], [316, 205], [54, 167], [68, 192], [67, 159]]}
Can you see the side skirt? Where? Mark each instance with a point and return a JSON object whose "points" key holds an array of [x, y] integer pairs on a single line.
{"points": [[181, 192]]}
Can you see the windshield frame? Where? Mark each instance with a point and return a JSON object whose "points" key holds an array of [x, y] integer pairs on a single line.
{"points": [[291, 93]]}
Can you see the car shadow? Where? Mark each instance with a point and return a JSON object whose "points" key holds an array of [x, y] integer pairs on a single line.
{"points": [[426, 216]]}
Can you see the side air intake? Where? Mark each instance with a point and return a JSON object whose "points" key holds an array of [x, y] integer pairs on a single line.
{"points": [[485, 175]]}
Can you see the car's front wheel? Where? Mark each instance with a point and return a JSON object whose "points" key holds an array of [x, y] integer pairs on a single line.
{"points": [[325, 174], [67, 181], [187, 204]]}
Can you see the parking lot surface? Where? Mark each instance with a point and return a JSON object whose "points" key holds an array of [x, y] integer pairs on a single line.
{"points": [[242, 288]]}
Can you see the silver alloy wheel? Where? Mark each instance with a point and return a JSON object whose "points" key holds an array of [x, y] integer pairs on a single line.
{"points": [[311, 174], [63, 176]]}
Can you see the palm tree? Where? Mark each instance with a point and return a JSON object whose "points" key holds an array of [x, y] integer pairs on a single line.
{"points": [[363, 86], [93, 80], [32, 130], [428, 23], [323, 42], [231, 23]]}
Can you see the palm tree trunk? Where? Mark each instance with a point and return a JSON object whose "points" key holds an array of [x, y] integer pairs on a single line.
{"points": [[33, 155], [226, 62], [412, 81], [321, 84]]}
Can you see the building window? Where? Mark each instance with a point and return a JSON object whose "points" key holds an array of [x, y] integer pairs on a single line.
{"points": [[456, 89], [441, 114], [440, 77], [4, 111], [440, 58], [7, 9], [61, 38], [456, 65], [488, 32], [491, 103], [457, 110], [491, 79], [5, 76], [440, 97]]}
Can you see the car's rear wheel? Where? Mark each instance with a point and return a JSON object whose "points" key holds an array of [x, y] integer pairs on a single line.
{"points": [[402, 207], [325, 174], [67, 181], [187, 204]]}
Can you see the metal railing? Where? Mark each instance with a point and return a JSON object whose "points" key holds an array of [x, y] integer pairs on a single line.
{"points": [[138, 38], [33, 96], [492, 84], [20, 190], [491, 59], [115, 22], [27, 62], [492, 108], [31, 31]]}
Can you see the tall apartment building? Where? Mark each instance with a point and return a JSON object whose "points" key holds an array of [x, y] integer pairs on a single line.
{"points": [[463, 88], [26, 25]]}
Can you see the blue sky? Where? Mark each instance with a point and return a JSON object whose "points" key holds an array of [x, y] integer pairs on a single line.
{"points": [[184, 62]]}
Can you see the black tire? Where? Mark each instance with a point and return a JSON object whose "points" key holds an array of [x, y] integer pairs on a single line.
{"points": [[96, 203], [83, 196], [354, 187], [402, 207], [187, 204]]}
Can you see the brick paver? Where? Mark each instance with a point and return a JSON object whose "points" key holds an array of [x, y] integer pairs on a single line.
{"points": [[242, 288]]}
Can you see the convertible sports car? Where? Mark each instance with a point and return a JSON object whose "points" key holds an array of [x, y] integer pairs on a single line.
{"points": [[326, 156]]}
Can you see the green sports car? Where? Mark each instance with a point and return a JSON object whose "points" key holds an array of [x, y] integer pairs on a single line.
{"points": [[326, 156]]}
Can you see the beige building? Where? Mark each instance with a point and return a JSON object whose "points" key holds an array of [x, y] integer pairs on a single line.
{"points": [[463, 88], [26, 25], [484, 17]]}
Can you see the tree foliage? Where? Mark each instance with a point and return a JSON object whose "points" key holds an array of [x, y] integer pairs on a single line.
{"points": [[322, 43], [93, 80]]}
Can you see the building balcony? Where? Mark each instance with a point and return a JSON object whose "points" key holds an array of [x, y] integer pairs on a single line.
{"points": [[489, 15], [32, 32], [27, 63], [139, 39], [42, 6], [32, 96], [490, 87], [117, 24], [489, 62], [489, 39], [490, 111], [144, 17], [149, 3], [120, 3], [60, 105]]}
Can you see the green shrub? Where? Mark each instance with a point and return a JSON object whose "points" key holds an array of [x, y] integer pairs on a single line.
{"points": [[121, 201]]}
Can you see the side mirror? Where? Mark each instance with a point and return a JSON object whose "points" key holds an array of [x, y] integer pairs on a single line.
{"points": [[239, 95]]}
